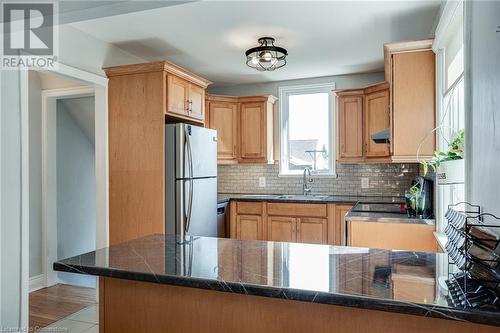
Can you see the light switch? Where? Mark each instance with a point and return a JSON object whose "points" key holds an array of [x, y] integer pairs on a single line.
{"points": [[365, 182], [262, 181]]}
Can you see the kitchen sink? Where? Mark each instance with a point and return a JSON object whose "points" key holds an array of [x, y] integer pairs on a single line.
{"points": [[302, 197]]}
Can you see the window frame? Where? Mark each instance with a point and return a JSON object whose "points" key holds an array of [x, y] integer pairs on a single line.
{"points": [[284, 93]]}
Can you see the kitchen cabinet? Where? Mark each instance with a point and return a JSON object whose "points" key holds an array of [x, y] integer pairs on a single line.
{"points": [[245, 127], [141, 97], [249, 227], [340, 213], [177, 95], [312, 230], [247, 220], [285, 222], [363, 112], [185, 99], [377, 118], [350, 126], [410, 70], [222, 116], [392, 235], [281, 229], [256, 130]]}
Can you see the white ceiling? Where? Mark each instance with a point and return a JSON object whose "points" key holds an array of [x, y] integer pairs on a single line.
{"points": [[322, 38]]}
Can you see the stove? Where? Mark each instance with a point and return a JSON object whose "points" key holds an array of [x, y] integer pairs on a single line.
{"points": [[395, 208]]}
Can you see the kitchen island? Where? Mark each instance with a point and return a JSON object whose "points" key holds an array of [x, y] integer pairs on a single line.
{"points": [[198, 284]]}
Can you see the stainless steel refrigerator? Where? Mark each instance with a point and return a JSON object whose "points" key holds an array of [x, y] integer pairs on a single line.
{"points": [[190, 180]]}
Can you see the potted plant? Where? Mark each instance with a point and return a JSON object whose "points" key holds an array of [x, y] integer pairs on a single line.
{"points": [[449, 165]]}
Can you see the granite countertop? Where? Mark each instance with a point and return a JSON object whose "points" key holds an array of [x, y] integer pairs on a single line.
{"points": [[386, 218], [312, 198], [344, 276]]}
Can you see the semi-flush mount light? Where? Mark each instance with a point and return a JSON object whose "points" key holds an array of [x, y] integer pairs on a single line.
{"points": [[266, 56]]}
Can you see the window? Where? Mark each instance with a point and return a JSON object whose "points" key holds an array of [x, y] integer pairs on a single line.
{"points": [[450, 92], [306, 129]]}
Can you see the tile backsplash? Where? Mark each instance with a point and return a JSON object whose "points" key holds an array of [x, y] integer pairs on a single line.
{"points": [[384, 180]]}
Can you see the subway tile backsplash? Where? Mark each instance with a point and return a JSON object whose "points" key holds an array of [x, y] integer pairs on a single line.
{"points": [[384, 180]]}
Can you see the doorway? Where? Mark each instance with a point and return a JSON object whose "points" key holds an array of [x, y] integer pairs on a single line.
{"points": [[65, 183]]}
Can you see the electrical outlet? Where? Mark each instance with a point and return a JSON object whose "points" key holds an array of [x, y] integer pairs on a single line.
{"points": [[365, 182], [262, 181]]}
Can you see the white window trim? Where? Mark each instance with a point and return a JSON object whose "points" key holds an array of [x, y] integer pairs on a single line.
{"points": [[284, 92]]}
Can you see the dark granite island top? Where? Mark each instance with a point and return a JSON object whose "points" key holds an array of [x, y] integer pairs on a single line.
{"points": [[346, 276]]}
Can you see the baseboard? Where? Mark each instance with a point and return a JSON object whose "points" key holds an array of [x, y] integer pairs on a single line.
{"points": [[37, 282]]}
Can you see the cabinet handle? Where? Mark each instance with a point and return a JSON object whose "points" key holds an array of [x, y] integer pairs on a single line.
{"points": [[190, 103]]}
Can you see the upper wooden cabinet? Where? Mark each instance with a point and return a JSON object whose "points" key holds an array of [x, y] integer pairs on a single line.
{"points": [[377, 118], [350, 141], [362, 113], [410, 70], [222, 116], [244, 127], [141, 97]]}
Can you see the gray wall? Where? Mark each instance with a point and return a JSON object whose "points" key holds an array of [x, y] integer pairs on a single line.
{"points": [[35, 184], [76, 205], [483, 80], [341, 81]]}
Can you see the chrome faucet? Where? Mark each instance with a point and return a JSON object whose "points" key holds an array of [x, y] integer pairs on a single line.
{"points": [[306, 181]]}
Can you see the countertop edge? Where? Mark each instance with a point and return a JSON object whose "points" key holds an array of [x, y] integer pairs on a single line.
{"points": [[370, 303]]}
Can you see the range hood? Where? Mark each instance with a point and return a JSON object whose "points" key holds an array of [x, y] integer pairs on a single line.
{"points": [[382, 136]]}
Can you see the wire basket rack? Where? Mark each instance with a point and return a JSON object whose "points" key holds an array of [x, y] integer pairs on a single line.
{"points": [[474, 247]]}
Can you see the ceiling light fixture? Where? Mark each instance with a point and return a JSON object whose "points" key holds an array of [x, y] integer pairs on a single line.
{"points": [[266, 56]]}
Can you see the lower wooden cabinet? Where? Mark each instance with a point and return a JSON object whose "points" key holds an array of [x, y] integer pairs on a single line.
{"points": [[249, 227], [393, 236], [287, 222], [281, 229], [312, 230]]}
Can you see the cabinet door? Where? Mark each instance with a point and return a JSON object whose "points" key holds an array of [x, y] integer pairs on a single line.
{"points": [[350, 127], [376, 120], [252, 131], [392, 236], [177, 95], [312, 230], [249, 227], [281, 229], [223, 117], [196, 102], [414, 109], [340, 225]]}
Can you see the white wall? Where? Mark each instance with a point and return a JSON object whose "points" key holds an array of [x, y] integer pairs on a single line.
{"points": [[76, 201], [11, 247], [77, 50], [341, 82], [483, 100], [35, 183]]}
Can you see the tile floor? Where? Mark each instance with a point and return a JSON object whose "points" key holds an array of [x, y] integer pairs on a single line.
{"points": [[83, 321]]}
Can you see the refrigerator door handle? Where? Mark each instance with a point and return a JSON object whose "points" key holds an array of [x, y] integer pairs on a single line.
{"points": [[191, 187]]}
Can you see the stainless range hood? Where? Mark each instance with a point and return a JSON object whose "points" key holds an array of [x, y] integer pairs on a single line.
{"points": [[382, 136]]}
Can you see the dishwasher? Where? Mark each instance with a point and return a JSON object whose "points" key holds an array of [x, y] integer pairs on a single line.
{"points": [[221, 219]]}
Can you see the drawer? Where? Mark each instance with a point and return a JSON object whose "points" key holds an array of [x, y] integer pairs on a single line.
{"points": [[293, 209], [252, 208]]}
